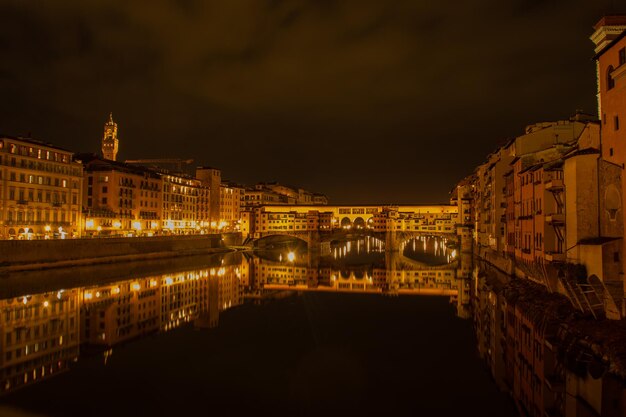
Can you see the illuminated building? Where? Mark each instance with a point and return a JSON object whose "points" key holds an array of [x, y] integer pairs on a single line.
{"points": [[259, 197], [120, 199], [231, 196], [272, 193], [610, 40], [40, 190], [211, 179], [555, 204], [40, 337], [286, 219], [180, 203], [110, 142]]}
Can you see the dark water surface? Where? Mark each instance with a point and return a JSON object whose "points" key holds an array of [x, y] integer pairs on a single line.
{"points": [[250, 336]]}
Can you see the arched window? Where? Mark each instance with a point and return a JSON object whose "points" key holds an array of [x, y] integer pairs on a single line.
{"points": [[610, 82]]}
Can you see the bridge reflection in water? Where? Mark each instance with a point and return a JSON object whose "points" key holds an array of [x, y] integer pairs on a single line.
{"points": [[42, 331]]}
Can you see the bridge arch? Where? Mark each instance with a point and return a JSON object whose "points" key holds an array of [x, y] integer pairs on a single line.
{"points": [[358, 223], [346, 223], [281, 238]]}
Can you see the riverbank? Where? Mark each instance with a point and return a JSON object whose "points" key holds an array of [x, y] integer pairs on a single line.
{"points": [[27, 255], [572, 350]]}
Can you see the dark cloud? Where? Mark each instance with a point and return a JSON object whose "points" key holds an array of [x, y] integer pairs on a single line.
{"points": [[364, 100]]}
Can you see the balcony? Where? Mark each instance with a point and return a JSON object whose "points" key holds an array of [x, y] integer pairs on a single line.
{"points": [[555, 257], [57, 204], [22, 202], [554, 184], [555, 218]]}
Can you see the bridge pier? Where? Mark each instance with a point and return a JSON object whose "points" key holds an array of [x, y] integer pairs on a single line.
{"points": [[392, 244]]}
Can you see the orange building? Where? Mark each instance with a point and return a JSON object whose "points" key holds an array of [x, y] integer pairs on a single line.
{"points": [[120, 199], [40, 190], [610, 40]]}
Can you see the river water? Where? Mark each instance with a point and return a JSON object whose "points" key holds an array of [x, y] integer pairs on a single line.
{"points": [[282, 332]]}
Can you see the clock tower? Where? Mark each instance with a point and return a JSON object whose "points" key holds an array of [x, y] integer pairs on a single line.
{"points": [[109, 140]]}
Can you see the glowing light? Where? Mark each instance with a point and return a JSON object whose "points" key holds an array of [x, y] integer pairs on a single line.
{"points": [[88, 296], [153, 283], [116, 290], [99, 228], [137, 225], [46, 303], [117, 224], [136, 286], [97, 294], [89, 223], [47, 228], [169, 281], [291, 256]]}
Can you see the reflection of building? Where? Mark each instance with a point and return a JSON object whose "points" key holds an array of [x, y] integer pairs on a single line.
{"points": [[286, 275], [40, 190], [40, 334], [538, 352], [117, 312], [39, 337]]}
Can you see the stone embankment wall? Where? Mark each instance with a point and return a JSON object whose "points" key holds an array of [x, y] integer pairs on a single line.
{"points": [[29, 252]]}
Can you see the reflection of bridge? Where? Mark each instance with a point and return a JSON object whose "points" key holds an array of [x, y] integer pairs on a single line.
{"points": [[314, 224], [440, 280]]}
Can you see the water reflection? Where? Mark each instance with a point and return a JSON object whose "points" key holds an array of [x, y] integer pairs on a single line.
{"points": [[47, 326], [43, 333]]}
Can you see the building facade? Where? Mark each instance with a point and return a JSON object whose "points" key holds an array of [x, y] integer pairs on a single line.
{"points": [[40, 190]]}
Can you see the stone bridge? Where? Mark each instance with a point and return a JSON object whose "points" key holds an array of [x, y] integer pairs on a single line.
{"points": [[315, 224]]}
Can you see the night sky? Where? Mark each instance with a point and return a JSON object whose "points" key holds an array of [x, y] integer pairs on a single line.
{"points": [[368, 101]]}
